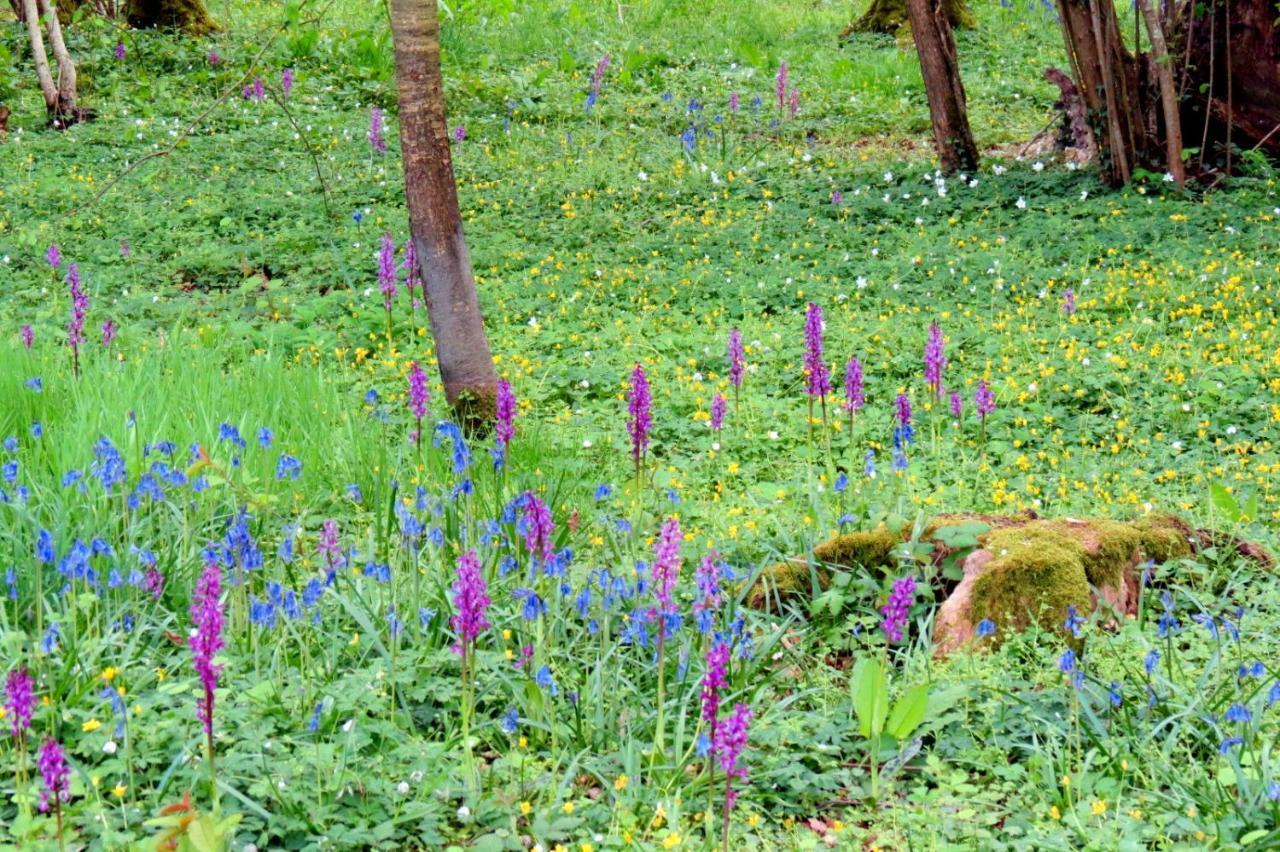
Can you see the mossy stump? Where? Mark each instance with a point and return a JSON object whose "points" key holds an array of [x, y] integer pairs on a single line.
{"points": [[889, 16]]}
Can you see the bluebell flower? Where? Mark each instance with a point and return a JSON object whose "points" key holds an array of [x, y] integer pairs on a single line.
{"points": [[228, 432], [506, 565], [1113, 693], [265, 438], [703, 745], [1274, 695], [1238, 713], [394, 625], [1074, 622], [49, 643], [37, 430], [673, 496], [288, 466], [34, 383], [1149, 662], [357, 217], [986, 627], [533, 605], [461, 454], [603, 490], [314, 724], [11, 580], [353, 493], [379, 571], [44, 547], [11, 444], [1273, 791], [425, 616], [622, 525], [1229, 743], [311, 592], [842, 482], [1207, 622], [1255, 670], [546, 681], [1067, 662], [510, 721], [899, 459]]}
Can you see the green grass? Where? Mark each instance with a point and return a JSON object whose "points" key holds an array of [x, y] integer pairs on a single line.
{"points": [[248, 297]]}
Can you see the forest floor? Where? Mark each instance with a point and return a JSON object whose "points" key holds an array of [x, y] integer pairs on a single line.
{"points": [[1131, 340]]}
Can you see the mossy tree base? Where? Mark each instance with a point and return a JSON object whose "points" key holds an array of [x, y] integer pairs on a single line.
{"points": [[190, 16], [889, 16]]}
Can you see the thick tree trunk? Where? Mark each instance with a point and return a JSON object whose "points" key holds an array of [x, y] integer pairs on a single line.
{"points": [[945, 90], [189, 16], [66, 68], [453, 308], [889, 16]]}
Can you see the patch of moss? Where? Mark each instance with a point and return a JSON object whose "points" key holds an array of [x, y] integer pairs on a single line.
{"points": [[1107, 547], [1163, 537], [1036, 575], [867, 549], [783, 581]]}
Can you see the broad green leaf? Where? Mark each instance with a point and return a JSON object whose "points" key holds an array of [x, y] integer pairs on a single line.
{"points": [[869, 699], [909, 712]]}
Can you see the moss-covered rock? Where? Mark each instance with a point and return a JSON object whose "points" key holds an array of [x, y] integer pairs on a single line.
{"points": [[792, 578], [1163, 537], [1107, 548], [1034, 575]]}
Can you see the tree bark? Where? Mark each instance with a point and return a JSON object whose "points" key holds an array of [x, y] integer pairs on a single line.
{"points": [[1168, 93], [66, 68], [38, 56], [453, 308], [941, 72], [18, 11], [889, 16], [190, 16]]}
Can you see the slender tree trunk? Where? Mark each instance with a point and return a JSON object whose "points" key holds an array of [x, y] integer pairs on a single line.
{"points": [[889, 16], [40, 58], [19, 12], [943, 86], [1168, 93], [66, 68], [453, 308]]}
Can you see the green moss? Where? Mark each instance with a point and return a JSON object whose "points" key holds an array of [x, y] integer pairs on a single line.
{"points": [[1107, 547], [1163, 537], [871, 549], [1035, 575], [785, 581]]}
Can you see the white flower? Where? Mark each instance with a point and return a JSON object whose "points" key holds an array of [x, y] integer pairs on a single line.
{"points": [[715, 445], [1037, 166], [999, 169], [586, 443], [1084, 193], [349, 726], [403, 788], [109, 746], [773, 435], [1231, 430], [1021, 203], [584, 384], [888, 177], [862, 282], [464, 812], [1168, 177]]}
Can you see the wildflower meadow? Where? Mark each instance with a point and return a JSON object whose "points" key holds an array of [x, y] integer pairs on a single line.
{"points": [[822, 499]]}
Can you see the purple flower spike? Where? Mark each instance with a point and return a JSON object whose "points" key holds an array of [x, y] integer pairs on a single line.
{"points": [[984, 400], [387, 279], [957, 405], [376, 140], [119, 52], [818, 377], [854, 396], [1069, 302], [730, 742], [737, 358], [539, 528], [714, 681], [54, 255], [109, 329], [505, 422], [418, 393], [780, 85], [935, 359], [206, 640], [286, 81], [640, 418], [55, 773], [20, 699], [733, 103], [470, 602], [28, 336], [718, 406], [666, 564], [896, 609]]}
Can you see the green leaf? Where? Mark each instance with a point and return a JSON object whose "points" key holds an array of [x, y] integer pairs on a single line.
{"points": [[1223, 500], [909, 712], [869, 699]]}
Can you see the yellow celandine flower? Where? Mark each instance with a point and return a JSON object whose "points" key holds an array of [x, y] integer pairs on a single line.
{"points": [[586, 847], [671, 841], [118, 791], [1136, 813], [1054, 812], [525, 808], [523, 742], [109, 673], [620, 783], [1099, 807], [91, 726], [567, 807], [753, 820]]}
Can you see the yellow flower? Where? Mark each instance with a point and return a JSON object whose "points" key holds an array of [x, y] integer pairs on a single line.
{"points": [[1191, 811], [1136, 813], [671, 841], [91, 726], [753, 820], [1099, 807], [118, 791], [109, 673], [586, 847], [1054, 812], [620, 783], [567, 807], [525, 808]]}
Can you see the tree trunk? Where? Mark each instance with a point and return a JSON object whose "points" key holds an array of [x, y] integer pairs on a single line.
{"points": [[66, 68], [889, 16], [18, 11], [189, 16], [453, 308], [1168, 93], [941, 72], [40, 58]]}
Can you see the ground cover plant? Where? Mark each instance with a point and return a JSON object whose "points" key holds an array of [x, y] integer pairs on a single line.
{"points": [[261, 591]]}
